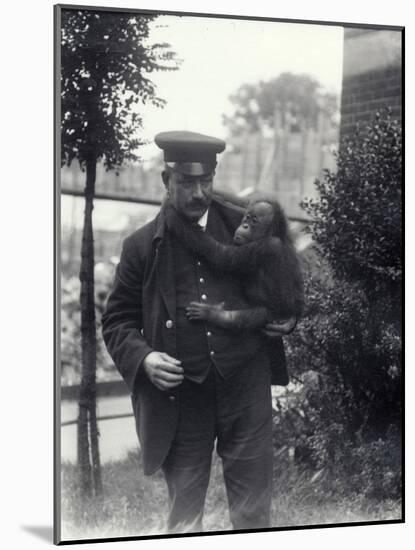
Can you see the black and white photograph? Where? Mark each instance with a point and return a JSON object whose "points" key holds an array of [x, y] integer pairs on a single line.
{"points": [[228, 274]]}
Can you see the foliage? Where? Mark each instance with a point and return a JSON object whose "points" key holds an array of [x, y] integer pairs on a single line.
{"points": [[106, 63], [71, 326], [297, 97], [358, 356], [342, 414], [70, 331], [357, 218]]}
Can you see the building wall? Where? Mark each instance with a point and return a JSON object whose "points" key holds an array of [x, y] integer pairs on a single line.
{"points": [[372, 76]]}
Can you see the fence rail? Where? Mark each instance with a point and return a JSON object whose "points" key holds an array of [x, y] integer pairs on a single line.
{"points": [[150, 202], [111, 197], [111, 388], [104, 389], [99, 418]]}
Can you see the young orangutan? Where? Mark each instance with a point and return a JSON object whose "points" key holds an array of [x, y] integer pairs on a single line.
{"points": [[262, 253]]}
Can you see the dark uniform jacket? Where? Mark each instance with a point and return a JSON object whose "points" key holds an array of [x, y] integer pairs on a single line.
{"points": [[140, 318]]}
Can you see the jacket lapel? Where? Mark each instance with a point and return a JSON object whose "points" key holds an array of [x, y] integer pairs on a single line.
{"points": [[164, 260]]}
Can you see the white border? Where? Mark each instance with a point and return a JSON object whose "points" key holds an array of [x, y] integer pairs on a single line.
{"points": [[26, 219]]}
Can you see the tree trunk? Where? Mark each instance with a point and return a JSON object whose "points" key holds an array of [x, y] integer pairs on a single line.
{"points": [[96, 463], [90, 473]]}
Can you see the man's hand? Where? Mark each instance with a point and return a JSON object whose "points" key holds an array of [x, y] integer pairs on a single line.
{"points": [[280, 328], [164, 371]]}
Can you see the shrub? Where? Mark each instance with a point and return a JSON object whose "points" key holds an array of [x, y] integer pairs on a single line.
{"points": [[71, 326], [341, 418], [357, 218]]}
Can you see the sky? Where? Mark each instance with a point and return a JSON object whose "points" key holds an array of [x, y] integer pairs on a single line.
{"points": [[221, 54]]}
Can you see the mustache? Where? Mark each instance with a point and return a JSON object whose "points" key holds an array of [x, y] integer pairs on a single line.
{"points": [[197, 203]]}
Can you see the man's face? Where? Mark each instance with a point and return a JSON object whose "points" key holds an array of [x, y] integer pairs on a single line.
{"points": [[190, 195]]}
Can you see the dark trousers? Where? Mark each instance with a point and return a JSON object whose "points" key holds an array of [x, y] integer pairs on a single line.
{"points": [[237, 413]]}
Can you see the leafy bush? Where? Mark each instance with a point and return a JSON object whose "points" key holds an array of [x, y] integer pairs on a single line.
{"points": [[357, 218], [345, 354], [71, 326], [357, 357]]}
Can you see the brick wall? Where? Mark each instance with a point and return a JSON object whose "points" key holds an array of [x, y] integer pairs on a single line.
{"points": [[372, 76]]}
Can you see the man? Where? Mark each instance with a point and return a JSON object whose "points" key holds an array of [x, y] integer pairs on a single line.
{"points": [[193, 384]]}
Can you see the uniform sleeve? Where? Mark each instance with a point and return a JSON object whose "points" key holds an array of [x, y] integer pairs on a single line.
{"points": [[122, 320], [243, 259]]}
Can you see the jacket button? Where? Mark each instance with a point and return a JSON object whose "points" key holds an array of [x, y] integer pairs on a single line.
{"points": [[204, 297], [169, 323], [212, 353], [172, 398]]}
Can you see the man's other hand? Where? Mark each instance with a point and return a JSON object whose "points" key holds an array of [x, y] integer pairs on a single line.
{"points": [[280, 328], [164, 371]]}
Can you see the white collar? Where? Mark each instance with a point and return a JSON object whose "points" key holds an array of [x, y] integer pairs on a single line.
{"points": [[203, 220]]}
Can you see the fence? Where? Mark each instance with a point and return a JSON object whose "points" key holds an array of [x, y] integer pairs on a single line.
{"points": [[104, 389]]}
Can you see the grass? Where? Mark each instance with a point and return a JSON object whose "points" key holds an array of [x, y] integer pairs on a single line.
{"points": [[135, 505]]}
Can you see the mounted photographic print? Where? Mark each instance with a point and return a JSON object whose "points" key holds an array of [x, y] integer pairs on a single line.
{"points": [[228, 206]]}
